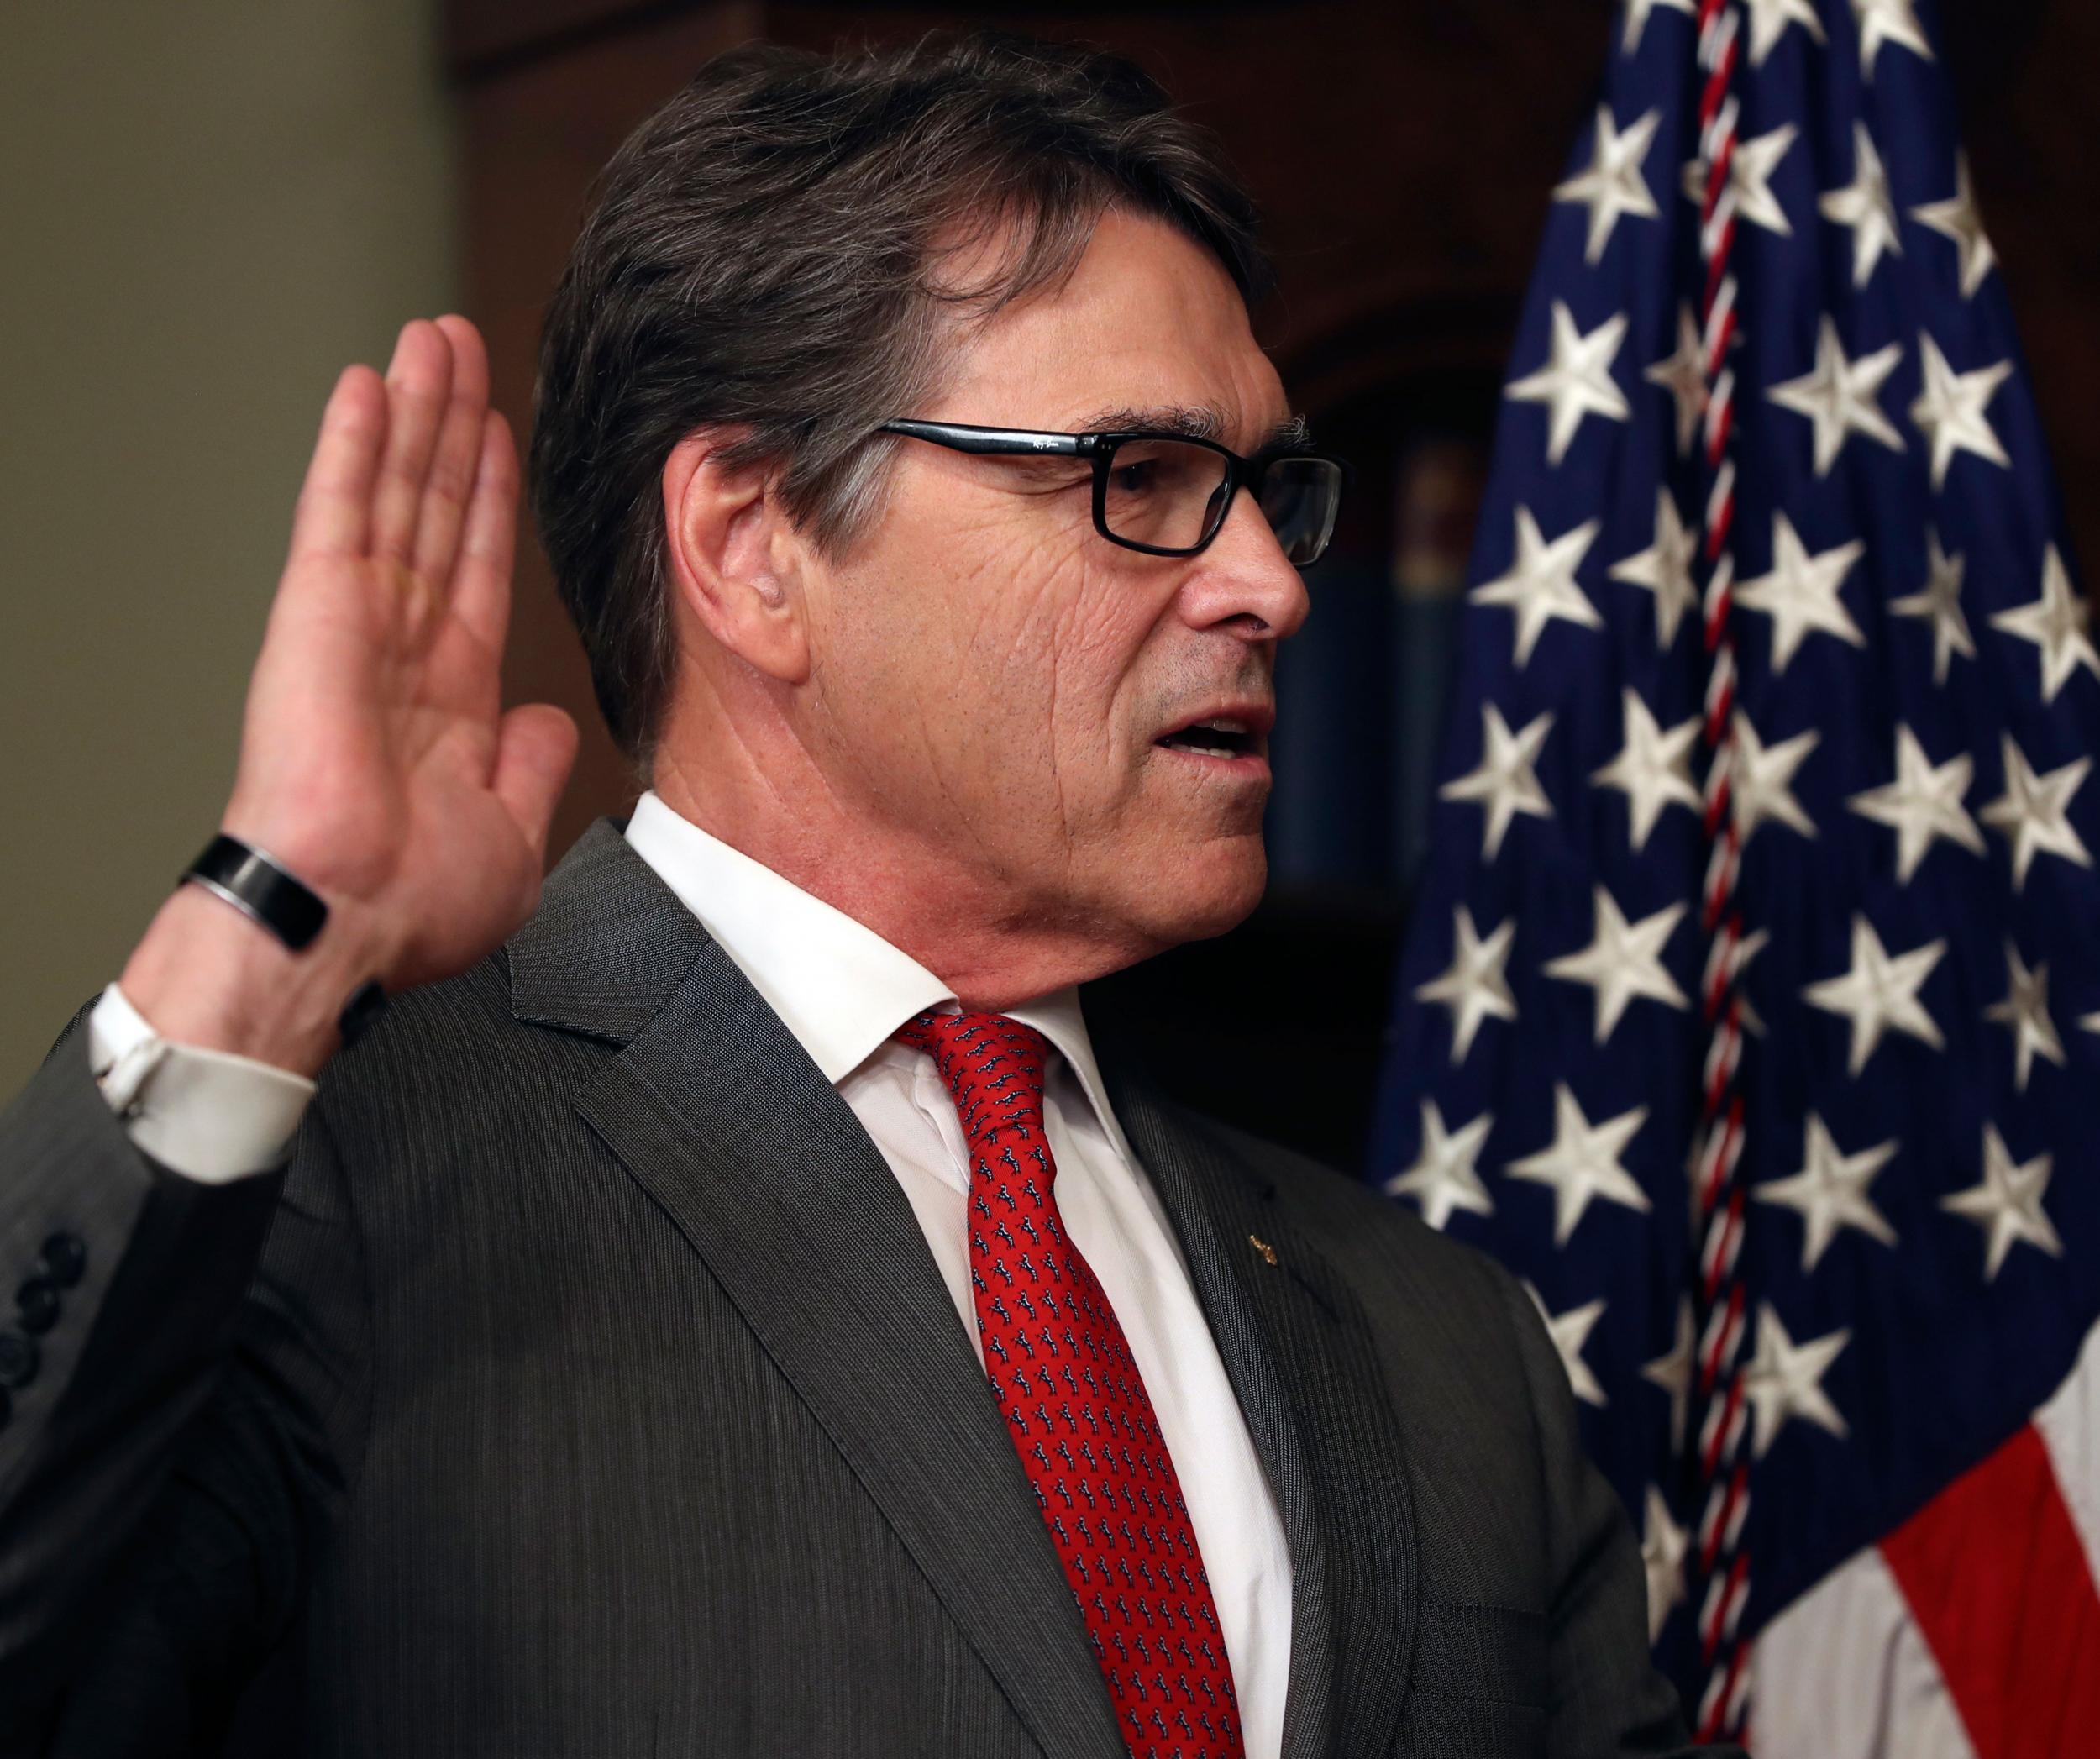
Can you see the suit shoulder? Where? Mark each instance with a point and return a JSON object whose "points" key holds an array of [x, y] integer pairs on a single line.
{"points": [[477, 1001], [447, 1048]]}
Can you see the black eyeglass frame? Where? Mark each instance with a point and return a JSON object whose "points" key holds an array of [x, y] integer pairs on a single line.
{"points": [[1101, 449]]}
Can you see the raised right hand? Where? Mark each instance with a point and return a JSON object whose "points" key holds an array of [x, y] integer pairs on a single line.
{"points": [[377, 762]]}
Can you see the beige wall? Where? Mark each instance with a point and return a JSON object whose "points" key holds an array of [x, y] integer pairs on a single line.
{"points": [[207, 206]]}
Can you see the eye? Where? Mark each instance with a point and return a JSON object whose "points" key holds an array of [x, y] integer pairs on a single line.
{"points": [[1134, 475]]}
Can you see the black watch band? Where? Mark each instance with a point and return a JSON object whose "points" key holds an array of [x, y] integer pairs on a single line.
{"points": [[256, 886]]}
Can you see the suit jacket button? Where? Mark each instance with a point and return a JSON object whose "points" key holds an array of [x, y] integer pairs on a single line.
{"points": [[65, 1259], [38, 1301], [18, 1359]]}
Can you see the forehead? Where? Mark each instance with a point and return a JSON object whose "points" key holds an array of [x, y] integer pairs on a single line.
{"points": [[1147, 318]]}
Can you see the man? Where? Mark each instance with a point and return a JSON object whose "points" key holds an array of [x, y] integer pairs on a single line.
{"points": [[724, 1305]]}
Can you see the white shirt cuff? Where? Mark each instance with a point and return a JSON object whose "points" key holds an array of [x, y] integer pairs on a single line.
{"points": [[209, 1114]]}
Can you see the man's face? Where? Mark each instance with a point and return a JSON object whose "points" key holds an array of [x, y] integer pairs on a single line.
{"points": [[999, 684]]}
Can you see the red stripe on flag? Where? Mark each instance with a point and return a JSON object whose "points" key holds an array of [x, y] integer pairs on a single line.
{"points": [[1995, 1575]]}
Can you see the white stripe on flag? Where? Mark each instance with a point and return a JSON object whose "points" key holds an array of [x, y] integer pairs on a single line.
{"points": [[2070, 1426], [1846, 1673]]}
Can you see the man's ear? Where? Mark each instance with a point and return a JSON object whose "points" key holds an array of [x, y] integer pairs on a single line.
{"points": [[735, 558]]}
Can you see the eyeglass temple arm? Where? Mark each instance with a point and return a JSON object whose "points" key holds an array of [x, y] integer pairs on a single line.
{"points": [[965, 437]]}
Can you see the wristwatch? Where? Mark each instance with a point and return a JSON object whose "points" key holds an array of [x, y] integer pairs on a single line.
{"points": [[262, 888]]}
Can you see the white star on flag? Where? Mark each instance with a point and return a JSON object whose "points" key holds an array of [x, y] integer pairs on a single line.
{"points": [[1922, 803], [2006, 1205], [1830, 1192], [2056, 623], [1613, 186], [1445, 1175], [1623, 961], [1653, 769], [1570, 1331], [1838, 397], [1684, 376], [1662, 1549], [1950, 410], [1576, 379], [2025, 1011], [1888, 21], [1673, 1371], [1637, 12], [1750, 179], [1879, 994], [1800, 594], [1475, 985], [1665, 569], [1761, 782], [1504, 782], [1582, 1162], [1940, 602], [1785, 1380], [2032, 813], [1956, 217], [1769, 20], [1540, 586], [1865, 205]]}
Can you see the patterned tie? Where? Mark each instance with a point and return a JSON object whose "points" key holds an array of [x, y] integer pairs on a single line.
{"points": [[1076, 1408]]}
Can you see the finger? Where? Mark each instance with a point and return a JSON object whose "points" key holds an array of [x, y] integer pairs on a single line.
{"points": [[457, 456], [481, 578], [536, 748], [418, 386], [335, 502]]}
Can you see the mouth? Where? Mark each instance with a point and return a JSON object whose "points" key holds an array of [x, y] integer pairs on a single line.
{"points": [[1237, 737]]}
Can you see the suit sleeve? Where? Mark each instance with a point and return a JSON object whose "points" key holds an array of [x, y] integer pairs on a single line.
{"points": [[1608, 1698], [166, 1461]]}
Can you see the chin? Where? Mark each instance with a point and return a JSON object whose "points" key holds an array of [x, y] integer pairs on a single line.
{"points": [[1213, 890]]}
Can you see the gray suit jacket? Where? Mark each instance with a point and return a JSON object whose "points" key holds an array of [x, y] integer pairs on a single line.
{"points": [[585, 1386]]}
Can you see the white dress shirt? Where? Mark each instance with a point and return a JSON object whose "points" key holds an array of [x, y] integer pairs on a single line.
{"points": [[842, 991], [209, 1114]]}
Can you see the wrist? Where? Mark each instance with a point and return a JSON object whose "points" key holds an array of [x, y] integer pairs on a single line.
{"points": [[206, 975]]}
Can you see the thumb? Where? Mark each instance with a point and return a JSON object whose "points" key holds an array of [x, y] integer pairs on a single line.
{"points": [[536, 747]]}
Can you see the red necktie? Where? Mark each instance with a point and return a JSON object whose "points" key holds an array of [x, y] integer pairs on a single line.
{"points": [[1076, 1408]]}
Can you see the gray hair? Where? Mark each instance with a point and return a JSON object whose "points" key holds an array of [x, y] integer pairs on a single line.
{"points": [[772, 252]]}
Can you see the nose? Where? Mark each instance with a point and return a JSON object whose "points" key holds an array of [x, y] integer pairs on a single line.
{"points": [[1244, 582]]}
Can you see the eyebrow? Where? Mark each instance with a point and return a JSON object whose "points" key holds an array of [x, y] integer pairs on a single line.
{"points": [[1194, 421]]}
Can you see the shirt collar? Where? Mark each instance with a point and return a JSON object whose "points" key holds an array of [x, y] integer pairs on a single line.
{"points": [[1058, 1018], [837, 985]]}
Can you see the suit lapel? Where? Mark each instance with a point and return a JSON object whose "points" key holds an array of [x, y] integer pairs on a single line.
{"points": [[1304, 1365], [717, 1111]]}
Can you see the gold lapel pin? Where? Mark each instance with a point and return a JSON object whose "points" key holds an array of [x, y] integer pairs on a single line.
{"points": [[1262, 1247]]}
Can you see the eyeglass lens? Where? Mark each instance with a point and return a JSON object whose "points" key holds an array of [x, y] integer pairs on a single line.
{"points": [[1169, 494], [1300, 497]]}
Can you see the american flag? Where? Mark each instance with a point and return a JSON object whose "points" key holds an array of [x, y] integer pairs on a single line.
{"points": [[1750, 1010]]}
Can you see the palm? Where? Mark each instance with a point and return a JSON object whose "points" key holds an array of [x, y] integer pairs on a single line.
{"points": [[377, 762]]}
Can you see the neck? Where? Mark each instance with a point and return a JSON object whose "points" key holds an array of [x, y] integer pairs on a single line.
{"points": [[759, 791]]}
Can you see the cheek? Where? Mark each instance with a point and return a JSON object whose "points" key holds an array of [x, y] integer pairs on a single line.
{"points": [[993, 686], [1049, 633], [1094, 628]]}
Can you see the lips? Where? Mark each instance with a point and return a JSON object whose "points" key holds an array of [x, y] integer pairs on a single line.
{"points": [[1241, 731]]}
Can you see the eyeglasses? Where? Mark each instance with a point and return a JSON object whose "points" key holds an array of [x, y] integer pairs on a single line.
{"points": [[1168, 494]]}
